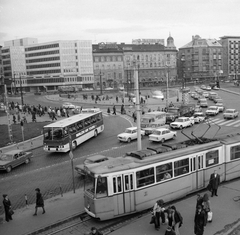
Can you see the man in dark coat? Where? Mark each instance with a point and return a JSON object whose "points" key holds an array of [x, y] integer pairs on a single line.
{"points": [[199, 221], [214, 183], [7, 207], [114, 109], [39, 201]]}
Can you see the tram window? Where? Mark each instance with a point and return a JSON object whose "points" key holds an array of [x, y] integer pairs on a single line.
{"points": [[119, 184], [114, 185], [101, 189], [212, 158], [128, 182], [181, 167], [235, 152], [164, 172], [145, 177]]}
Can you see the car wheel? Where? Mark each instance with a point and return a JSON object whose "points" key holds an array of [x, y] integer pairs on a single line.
{"points": [[174, 136], [129, 140], [180, 127], [162, 140], [74, 145], [191, 124], [27, 161], [9, 169], [95, 133]]}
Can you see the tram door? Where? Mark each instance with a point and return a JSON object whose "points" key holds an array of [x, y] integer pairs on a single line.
{"points": [[200, 172], [118, 195], [129, 199]]}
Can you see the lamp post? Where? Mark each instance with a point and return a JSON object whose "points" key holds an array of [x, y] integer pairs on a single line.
{"points": [[183, 80], [167, 95]]}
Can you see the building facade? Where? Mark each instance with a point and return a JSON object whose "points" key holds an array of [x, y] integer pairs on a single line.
{"points": [[231, 56], [200, 59]]}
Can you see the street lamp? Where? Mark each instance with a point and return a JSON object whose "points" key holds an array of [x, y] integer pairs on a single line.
{"points": [[167, 65]]}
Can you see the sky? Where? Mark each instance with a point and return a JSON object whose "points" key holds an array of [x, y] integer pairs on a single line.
{"points": [[118, 20]]}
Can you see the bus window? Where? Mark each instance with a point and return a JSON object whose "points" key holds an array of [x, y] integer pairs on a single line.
{"points": [[57, 134], [212, 158], [101, 189], [47, 132], [79, 125], [145, 177], [181, 167], [164, 172]]}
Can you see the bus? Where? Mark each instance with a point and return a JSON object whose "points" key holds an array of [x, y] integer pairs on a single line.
{"points": [[76, 129], [153, 120], [133, 183]]}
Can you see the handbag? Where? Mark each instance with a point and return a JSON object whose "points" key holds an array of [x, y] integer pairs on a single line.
{"points": [[209, 216], [11, 212], [153, 218]]}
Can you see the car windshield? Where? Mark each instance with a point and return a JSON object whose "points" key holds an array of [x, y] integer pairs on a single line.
{"points": [[230, 111], [156, 132], [179, 120], [6, 157], [128, 131], [212, 108]]}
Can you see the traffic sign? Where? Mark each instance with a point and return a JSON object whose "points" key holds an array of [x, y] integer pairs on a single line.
{"points": [[71, 155]]}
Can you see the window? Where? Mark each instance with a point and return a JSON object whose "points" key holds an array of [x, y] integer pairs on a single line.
{"points": [[181, 167], [128, 180], [235, 152], [212, 158], [164, 172], [145, 177], [101, 188], [117, 184]]}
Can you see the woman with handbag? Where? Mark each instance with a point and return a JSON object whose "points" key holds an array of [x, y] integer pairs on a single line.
{"points": [[207, 206], [7, 208]]}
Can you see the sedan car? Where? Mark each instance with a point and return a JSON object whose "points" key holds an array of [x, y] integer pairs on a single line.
{"points": [[157, 95], [198, 117], [129, 134], [14, 158], [203, 87], [208, 88], [212, 110], [68, 105], [182, 122], [230, 113], [90, 160], [215, 88], [205, 94], [162, 134], [221, 106]]}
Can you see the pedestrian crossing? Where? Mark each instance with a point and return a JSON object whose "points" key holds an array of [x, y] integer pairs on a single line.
{"points": [[224, 122]]}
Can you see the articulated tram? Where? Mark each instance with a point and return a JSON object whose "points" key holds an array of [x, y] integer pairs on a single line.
{"points": [[134, 182]]}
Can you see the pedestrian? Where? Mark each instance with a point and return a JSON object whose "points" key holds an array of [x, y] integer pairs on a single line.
{"points": [[39, 201], [158, 211], [134, 115], [67, 112], [114, 109], [170, 231], [199, 221], [34, 117], [206, 205], [108, 111], [14, 119], [95, 231], [214, 183], [177, 220], [19, 117], [7, 208]]}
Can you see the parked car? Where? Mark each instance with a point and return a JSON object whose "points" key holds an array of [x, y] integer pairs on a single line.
{"points": [[221, 106], [90, 160], [205, 94], [198, 117], [129, 134], [208, 88], [203, 87], [68, 105], [14, 158], [212, 95], [182, 122], [212, 110], [162, 134], [218, 100], [230, 113]]}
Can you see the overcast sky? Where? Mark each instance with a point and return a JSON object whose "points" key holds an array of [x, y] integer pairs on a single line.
{"points": [[118, 20]]}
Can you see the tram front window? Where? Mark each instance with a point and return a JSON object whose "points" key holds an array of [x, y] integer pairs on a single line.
{"points": [[101, 189], [89, 184]]}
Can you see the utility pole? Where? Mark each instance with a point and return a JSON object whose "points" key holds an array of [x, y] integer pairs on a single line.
{"points": [[21, 90]]}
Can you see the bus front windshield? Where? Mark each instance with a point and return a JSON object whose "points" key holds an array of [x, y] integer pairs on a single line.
{"points": [[54, 133]]}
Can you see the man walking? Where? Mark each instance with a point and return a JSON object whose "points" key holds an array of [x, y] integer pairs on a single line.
{"points": [[214, 183], [39, 201], [114, 109]]}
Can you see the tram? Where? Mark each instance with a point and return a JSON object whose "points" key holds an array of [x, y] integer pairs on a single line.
{"points": [[134, 182]]}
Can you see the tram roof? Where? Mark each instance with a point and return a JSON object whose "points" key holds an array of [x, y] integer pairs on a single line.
{"points": [[235, 138], [71, 120], [129, 162]]}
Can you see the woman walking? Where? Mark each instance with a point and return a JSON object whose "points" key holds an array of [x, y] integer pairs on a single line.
{"points": [[7, 207], [199, 221], [39, 201]]}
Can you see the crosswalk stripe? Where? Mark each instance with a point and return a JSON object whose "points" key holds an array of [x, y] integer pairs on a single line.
{"points": [[232, 123], [237, 125], [224, 122]]}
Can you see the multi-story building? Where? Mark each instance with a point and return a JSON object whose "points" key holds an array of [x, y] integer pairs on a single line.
{"points": [[231, 56], [45, 66], [200, 59], [1, 68]]}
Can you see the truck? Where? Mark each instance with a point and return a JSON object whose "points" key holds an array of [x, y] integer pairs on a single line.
{"points": [[184, 110]]}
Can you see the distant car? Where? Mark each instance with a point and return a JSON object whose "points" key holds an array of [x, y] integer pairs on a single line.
{"points": [[212, 95], [108, 88], [162, 134], [198, 117], [68, 105], [157, 95], [203, 103], [90, 160], [77, 110], [170, 117], [205, 94], [182, 122], [203, 87], [218, 100], [208, 88], [129, 134], [215, 88], [230, 113], [14, 158], [221, 106], [212, 110], [197, 109]]}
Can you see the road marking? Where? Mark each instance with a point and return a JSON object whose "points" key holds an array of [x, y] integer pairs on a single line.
{"points": [[224, 122], [232, 123]]}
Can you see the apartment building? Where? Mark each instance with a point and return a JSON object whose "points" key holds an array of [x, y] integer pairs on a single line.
{"points": [[200, 59], [231, 56]]}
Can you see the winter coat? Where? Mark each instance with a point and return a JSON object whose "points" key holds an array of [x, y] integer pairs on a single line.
{"points": [[199, 222], [39, 200], [214, 181]]}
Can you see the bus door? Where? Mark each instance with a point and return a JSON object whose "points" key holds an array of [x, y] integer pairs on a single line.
{"points": [[118, 199], [200, 172], [193, 165], [129, 199]]}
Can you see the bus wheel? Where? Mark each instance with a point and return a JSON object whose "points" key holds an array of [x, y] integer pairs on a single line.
{"points": [[74, 145], [95, 133]]}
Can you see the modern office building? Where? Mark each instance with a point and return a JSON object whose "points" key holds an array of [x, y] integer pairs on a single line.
{"points": [[46, 66], [200, 59], [231, 56]]}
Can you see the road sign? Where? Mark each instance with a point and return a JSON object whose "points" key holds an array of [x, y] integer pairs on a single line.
{"points": [[71, 155]]}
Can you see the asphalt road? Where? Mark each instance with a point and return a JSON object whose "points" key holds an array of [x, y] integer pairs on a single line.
{"points": [[50, 172]]}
